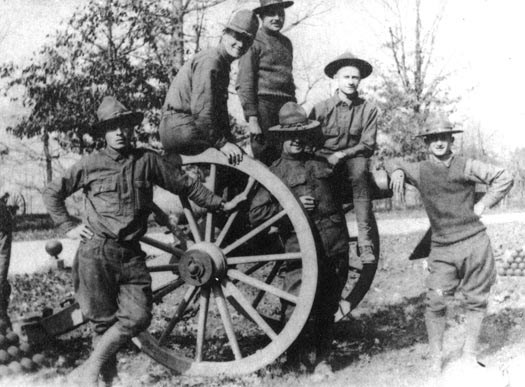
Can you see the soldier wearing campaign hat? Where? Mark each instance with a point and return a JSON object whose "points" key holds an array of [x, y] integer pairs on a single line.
{"points": [[265, 81], [308, 177], [195, 112], [349, 125], [112, 283], [461, 257]]}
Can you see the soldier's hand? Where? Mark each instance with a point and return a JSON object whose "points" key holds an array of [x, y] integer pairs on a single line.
{"points": [[308, 202], [479, 208], [234, 203], [397, 184], [333, 159], [80, 232], [233, 152], [254, 128]]}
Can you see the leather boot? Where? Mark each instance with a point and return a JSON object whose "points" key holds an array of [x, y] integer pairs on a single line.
{"points": [[106, 348], [363, 214], [108, 372], [473, 321], [435, 323]]}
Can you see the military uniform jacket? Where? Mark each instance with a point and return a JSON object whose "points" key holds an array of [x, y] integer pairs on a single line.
{"points": [[306, 176]]}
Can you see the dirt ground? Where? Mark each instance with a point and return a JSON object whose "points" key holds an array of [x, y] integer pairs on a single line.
{"points": [[382, 344]]}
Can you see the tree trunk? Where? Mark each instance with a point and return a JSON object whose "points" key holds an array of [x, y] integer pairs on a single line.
{"points": [[177, 38], [47, 156]]}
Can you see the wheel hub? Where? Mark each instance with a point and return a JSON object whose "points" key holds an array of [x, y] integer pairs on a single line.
{"points": [[202, 262]]}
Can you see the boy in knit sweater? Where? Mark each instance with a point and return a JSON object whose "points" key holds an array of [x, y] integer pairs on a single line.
{"points": [[265, 81], [461, 256]]}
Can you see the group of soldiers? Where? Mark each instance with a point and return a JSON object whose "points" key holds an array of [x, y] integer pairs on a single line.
{"points": [[308, 152]]}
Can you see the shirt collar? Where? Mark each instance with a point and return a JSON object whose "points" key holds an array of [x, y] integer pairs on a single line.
{"points": [[445, 162], [335, 100], [114, 155]]}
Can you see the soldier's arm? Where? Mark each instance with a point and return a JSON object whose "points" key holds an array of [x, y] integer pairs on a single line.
{"points": [[170, 176], [262, 207], [402, 172], [246, 83], [56, 193], [498, 179]]}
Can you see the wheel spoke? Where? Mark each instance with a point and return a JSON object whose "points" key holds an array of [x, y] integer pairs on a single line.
{"points": [[237, 275], [201, 327], [269, 279], [208, 234], [262, 258], [254, 232], [166, 289], [232, 290], [162, 246], [190, 217], [190, 293], [226, 320], [231, 218]]}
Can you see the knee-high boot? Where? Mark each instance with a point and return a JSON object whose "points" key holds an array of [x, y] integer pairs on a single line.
{"points": [[435, 323], [473, 321]]}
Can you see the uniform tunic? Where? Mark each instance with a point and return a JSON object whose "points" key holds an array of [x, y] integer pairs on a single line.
{"points": [[111, 280], [461, 255], [351, 127], [310, 176], [195, 112]]}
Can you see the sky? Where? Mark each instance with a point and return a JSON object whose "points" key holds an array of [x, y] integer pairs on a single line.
{"points": [[480, 42]]}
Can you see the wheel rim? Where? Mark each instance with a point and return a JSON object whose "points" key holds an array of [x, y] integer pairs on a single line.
{"points": [[214, 275]]}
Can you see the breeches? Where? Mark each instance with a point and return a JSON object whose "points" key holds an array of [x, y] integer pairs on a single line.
{"points": [[467, 266], [179, 134], [113, 285]]}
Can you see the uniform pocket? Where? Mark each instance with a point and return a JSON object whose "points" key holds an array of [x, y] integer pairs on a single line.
{"points": [[105, 195]]}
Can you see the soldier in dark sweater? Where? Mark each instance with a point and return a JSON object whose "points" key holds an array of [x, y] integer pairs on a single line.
{"points": [[461, 256], [308, 177], [195, 112], [265, 81]]}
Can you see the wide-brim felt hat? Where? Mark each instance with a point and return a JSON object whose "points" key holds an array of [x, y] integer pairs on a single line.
{"points": [[244, 22], [265, 4], [111, 112], [293, 121], [439, 126], [348, 59]]}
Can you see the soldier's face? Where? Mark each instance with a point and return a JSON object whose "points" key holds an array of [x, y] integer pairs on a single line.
{"points": [[119, 137], [235, 44], [293, 146], [440, 145], [273, 19], [348, 79]]}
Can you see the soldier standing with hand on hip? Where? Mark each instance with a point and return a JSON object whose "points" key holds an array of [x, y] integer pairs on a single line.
{"points": [[111, 280], [461, 257], [265, 80]]}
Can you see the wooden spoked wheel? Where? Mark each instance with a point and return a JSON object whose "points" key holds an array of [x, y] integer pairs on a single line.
{"points": [[219, 301]]}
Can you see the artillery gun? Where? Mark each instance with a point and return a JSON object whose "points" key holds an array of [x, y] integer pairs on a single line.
{"points": [[217, 294]]}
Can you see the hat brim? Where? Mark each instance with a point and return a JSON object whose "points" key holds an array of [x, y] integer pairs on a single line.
{"points": [[238, 30], [284, 4], [295, 130], [436, 133], [129, 118], [364, 67]]}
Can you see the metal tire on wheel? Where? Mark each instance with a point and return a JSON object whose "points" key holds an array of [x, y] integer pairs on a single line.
{"points": [[212, 273]]}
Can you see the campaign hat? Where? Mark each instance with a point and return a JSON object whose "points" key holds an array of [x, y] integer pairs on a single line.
{"points": [[265, 4], [348, 59], [244, 22], [438, 125], [293, 121], [111, 112]]}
